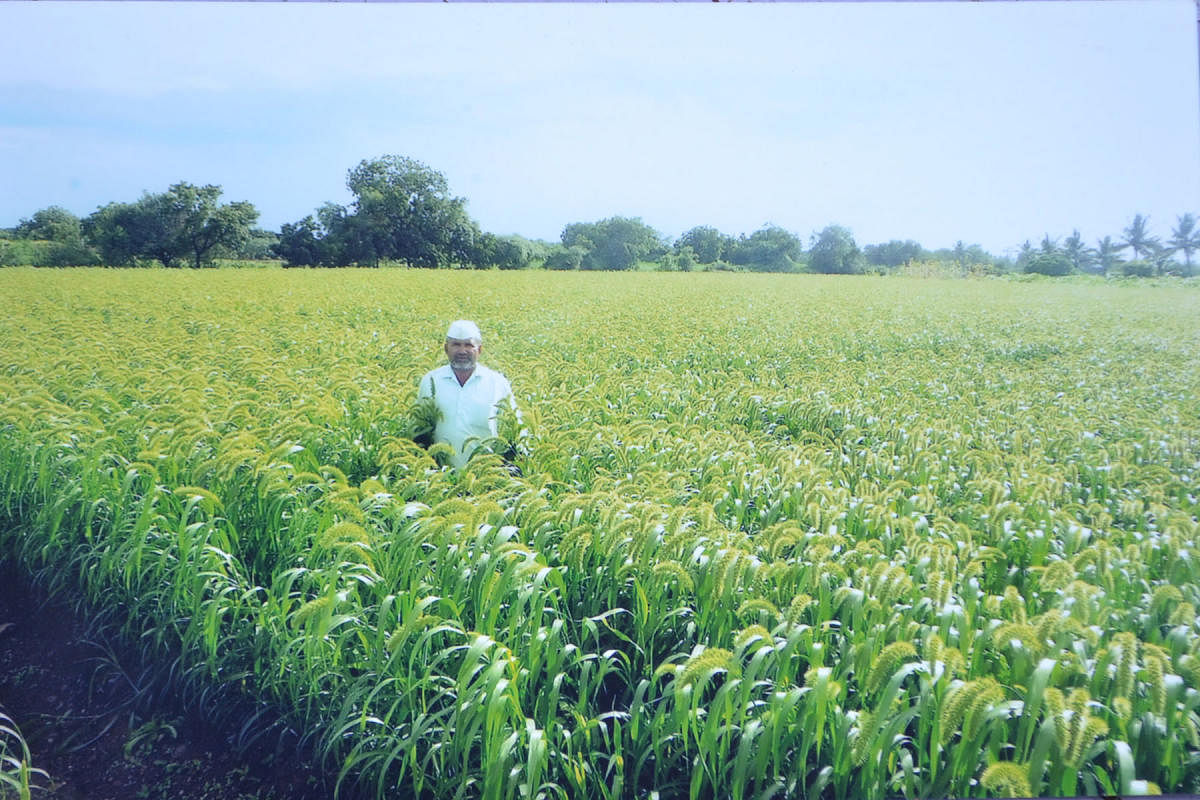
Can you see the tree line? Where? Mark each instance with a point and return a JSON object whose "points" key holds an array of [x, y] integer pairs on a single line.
{"points": [[403, 212]]}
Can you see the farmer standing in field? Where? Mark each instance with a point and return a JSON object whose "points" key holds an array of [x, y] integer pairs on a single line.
{"points": [[468, 394]]}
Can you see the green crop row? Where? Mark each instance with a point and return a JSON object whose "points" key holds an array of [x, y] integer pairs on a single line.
{"points": [[768, 536], [17, 773]]}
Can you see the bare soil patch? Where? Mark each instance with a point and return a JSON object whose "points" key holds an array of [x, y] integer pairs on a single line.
{"points": [[78, 711]]}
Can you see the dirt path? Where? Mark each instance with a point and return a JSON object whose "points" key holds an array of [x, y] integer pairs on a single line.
{"points": [[76, 712]]}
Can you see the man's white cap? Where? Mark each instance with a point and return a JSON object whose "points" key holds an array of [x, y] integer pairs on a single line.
{"points": [[464, 329]]}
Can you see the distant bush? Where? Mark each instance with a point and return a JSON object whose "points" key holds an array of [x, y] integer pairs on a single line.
{"points": [[15, 253], [565, 258], [1138, 269], [1055, 263], [683, 259], [35, 253]]}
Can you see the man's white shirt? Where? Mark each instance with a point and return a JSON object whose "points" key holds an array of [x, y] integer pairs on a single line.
{"points": [[468, 413]]}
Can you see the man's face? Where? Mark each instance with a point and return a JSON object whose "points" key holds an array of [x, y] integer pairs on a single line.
{"points": [[463, 353]]}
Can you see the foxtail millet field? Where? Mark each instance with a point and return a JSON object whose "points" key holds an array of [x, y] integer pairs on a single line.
{"points": [[764, 535]]}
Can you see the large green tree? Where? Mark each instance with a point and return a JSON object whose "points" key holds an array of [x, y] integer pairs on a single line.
{"points": [[769, 249], [184, 223], [893, 253], [54, 238], [834, 251], [350, 238], [202, 224], [616, 243], [53, 224], [708, 244], [504, 252], [404, 210], [302, 244], [259, 245], [119, 231]]}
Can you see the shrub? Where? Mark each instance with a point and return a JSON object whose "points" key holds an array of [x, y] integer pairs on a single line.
{"points": [[1138, 269], [564, 258], [34, 253], [1049, 264]]}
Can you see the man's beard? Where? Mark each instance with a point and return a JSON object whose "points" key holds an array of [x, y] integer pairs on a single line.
{"points": [[462, 363]]}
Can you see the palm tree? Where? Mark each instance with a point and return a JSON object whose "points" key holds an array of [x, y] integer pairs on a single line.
{"points": [[1107, 254], [1160, 256], [1138, 238], [1079, 253], [1185, 237]]}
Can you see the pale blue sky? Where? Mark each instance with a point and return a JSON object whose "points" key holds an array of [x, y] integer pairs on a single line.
{"points": [[990, 122]]}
